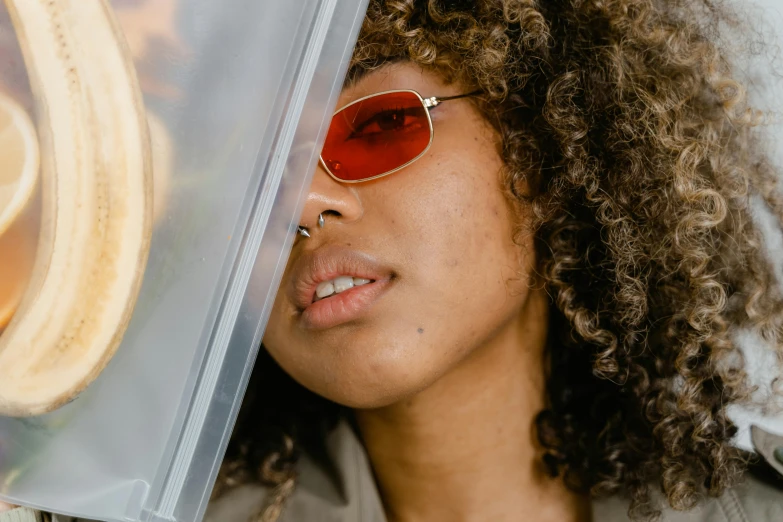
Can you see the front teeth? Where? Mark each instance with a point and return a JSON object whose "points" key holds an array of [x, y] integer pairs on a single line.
{"points": [[339, 284]]}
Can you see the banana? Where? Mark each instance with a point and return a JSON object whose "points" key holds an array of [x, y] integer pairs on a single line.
{"points": [[97, 204]]}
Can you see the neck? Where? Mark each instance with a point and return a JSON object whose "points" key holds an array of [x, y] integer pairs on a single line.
{"points": [[465, 449]]}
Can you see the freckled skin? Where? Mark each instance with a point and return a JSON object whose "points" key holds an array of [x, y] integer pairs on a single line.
{"points": [[445, 227]]}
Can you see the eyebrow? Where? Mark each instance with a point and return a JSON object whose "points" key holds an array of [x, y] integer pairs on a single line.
{"points": [[357, 72]]}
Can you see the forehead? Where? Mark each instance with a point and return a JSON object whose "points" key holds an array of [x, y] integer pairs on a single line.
{"points": [[395, 76]]}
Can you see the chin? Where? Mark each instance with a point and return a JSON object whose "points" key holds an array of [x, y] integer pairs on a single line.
{"points": [[368, 381], [368, 396]]}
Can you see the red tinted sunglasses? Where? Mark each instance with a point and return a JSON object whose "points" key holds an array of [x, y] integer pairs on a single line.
{"points": [[379, 134]]}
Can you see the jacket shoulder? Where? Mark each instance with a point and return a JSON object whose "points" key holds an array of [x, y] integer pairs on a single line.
{"points": [[755, 499], [758, 498]]}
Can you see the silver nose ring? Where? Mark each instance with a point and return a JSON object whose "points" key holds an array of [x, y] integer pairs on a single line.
{"points": [[303, 230]]}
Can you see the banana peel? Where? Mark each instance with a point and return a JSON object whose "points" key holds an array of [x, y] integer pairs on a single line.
{"points": [[96, 221]]}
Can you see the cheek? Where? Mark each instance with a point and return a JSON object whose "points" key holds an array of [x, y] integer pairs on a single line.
{"points": [[463, 230], [463, 283]]}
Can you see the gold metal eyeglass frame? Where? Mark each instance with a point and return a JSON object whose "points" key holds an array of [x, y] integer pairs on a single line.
{"points": [[428, 103]]}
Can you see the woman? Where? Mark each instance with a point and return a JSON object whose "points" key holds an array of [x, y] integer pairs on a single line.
{"points": [[529, 312]]}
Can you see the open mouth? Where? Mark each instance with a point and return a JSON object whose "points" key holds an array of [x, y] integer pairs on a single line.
{"points": [[338, 285]]}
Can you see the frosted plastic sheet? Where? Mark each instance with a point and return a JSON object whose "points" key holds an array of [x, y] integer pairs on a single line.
{"points": [[239, 93]]}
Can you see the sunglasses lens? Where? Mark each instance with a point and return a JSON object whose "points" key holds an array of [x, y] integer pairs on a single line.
{"points": [[376, 135]]}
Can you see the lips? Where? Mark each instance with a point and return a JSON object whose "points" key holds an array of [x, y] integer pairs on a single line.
{"points": [[325, 264]]}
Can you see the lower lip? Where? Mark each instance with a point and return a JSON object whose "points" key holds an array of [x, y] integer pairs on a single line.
{"points": [[343, 307]]}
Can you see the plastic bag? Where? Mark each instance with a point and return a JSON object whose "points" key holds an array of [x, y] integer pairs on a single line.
{"points": [[238, 95]]}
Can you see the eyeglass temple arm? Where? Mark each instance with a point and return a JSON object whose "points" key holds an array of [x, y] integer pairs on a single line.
{"points": [[434, 101]]}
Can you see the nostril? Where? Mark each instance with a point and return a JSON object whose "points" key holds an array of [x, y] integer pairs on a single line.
{"points": [[327, 215], [331, 213]]}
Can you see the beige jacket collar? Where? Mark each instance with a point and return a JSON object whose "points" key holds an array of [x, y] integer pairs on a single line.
{"points": [[348, 493]]}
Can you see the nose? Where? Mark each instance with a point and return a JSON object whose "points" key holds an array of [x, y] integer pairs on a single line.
{"points": [[329, 197]]}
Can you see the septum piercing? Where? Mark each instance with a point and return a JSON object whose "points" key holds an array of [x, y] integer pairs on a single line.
{"points": [[303, 230]]}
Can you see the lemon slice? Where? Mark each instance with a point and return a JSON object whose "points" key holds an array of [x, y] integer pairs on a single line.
{"points": [[17, 257], [19, 160]]}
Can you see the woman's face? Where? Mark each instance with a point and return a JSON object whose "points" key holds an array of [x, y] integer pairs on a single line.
{"points": [[436, 237]]}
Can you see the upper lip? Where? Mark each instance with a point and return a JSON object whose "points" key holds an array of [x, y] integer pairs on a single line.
{"points": [[327, 263]]}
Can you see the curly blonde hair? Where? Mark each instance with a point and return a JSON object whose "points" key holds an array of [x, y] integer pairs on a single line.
{"points": [[622, 128]]}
